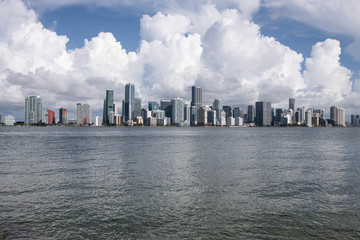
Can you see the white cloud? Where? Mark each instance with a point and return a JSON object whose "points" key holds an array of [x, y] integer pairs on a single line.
{"points": [[334, 16]]}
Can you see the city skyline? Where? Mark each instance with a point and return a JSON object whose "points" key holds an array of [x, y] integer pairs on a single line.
{"points": [[238, 51]]}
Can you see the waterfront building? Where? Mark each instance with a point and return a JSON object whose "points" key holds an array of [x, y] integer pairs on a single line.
{"points": [[355, 120], [187, 113], [129, 102], [83, 114], [196, 96], [239, 121], [228, 111], [33, 110], [50, 117], [146, 114], [108, 106], [238, 112], [218, 108], [263, 113], [98, 121], [165, 104], [9, 120], [337, 114], [302, 114], [139, 120], [308, 118], [202, 116], [153, 106], [292, 104], [251, 114], [137, 107], [211, 117], [63, 115], [0, 118], [230, 121], [177, 111], [193, 115], [45, 119]]}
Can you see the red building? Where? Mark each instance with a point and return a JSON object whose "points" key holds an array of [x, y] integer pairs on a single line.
{"points": [[51, 117]]}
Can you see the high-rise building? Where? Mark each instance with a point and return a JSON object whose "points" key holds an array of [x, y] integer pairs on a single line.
{"points": [[33, 109], [153, 106], [292, 104], [129, 102], [177, 111], [251, 114], [217, 107], [337, 114], [9, 120], [263, 113], [108, 106], [0, 118], [228, 111], [202, 117], [51, 117], [196, 96], [137, 107], [193, 115], [238, 112], [211, 117], [187, 113], [63, 116], [83, 114], [165, 104]]}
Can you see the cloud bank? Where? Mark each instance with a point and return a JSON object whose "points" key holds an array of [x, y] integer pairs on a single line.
{"points": [[215, 45]]}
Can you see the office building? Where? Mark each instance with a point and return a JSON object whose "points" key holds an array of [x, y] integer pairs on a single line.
{"points": [[137, 108], [196, 96], [193, 115], [202, 116], [33, 109], [165, 104], [263, 113], [9, 120], [177, 111], [153, 106], [239, 121], [129, 102], [251, 114], [292, 104], [218, 108], [228, 111], [211, 117], [238, 112], [355, 120], [0, 118], [98, 121], [63, 116], [187, 113], [337, 114], [108, 106], [308, 117], [50, 117], [83, 114]]}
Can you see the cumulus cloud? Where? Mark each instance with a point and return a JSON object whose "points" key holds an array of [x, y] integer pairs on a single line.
{"points": [[209, 45], [335, 16]]}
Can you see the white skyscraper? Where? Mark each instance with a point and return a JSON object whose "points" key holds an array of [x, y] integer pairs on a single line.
{"points": [[33, 110], [83, 114]]}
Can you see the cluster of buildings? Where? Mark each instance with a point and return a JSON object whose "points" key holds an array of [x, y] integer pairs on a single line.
{"points": [[179, 112]]}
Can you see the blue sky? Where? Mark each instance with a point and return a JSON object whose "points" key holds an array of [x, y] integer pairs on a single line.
{"points": [[240, 51]]}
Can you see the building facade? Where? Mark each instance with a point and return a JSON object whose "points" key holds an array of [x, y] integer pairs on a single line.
{"points": [[9, 120], [337, 114], [50, 117], [33, 109], [196, 96], [177, 111], [108, 106], [129, 102], [83, 114], [63, 115], [263, 113]]}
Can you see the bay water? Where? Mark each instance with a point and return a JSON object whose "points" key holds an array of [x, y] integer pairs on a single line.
{"points": [[176, 183]]}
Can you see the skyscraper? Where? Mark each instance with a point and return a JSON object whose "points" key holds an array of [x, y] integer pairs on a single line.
{"points": [[108, 106], [292, 104], [337, 114], [165, 104], [33, 109], [251, 113], [177, 111], [196, 96], [129, 103], [83, 114], [51, 117], [137, 107], [217, 107], [263, 113], [63, 119]]}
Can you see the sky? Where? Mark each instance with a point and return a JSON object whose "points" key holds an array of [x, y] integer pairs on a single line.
{"points": [[239, 51]]}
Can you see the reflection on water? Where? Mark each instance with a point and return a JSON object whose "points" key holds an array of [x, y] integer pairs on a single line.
{"points": [[179, 183]]}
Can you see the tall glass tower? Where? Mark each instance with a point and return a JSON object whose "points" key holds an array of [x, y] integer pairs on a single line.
{"points": [[33, 109], [108, 106], [129, 102], [177, 110], [263, 113], [196, 96]]}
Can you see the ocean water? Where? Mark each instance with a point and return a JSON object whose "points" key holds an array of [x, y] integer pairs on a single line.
{"points": [[175, 183]]}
